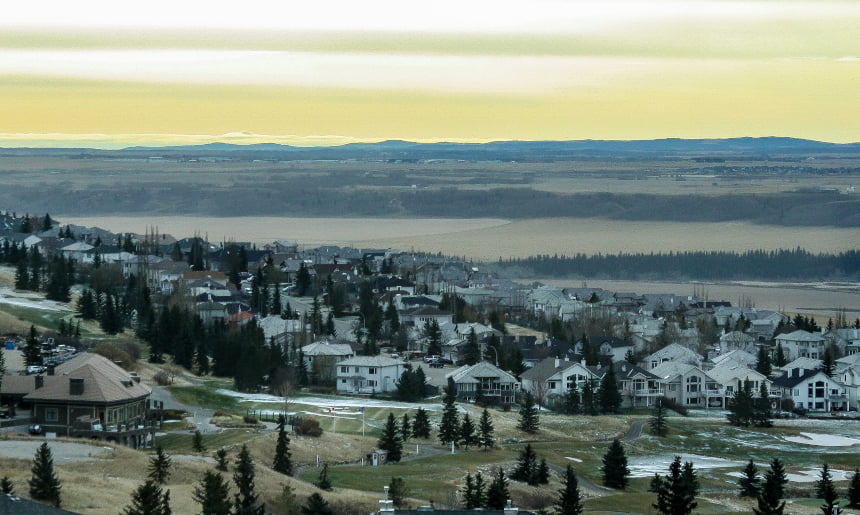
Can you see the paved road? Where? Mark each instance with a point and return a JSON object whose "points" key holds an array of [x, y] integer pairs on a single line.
{"points": [[200, 417], [635, 430]]}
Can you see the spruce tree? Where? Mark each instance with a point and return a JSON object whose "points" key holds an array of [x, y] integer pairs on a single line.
{"points": [[826, 491], [397, 491], [421, 424], [449, 427], [497, 492], [779, 358], [572, 403], [769, 501], [33, 349], [6, 486], [762, 364], [405, 428], [148, 499], [159, 466], [854, 490], [676, 492], [762, 413], [485, 430], [589, 398], [44, 483], [323, 482], [614, 467], [197, 444], [316, 505], [212, 494], [657, 424], [468, 435], [542, 473], [526, 468], [390, 441], [245, 500], [780, 478], [283, 463], [468, 494], [610, 397], [529, 420], [741, 412], [569, 500], [221, 462], [472, 349], [749, 482]]}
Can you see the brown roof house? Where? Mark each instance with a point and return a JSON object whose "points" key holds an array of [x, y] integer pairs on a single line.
{"points": [[90, 396]]}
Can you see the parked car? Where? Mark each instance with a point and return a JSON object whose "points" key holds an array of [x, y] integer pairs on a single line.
{"points": [[431, 359], [436, 364], [35, 429], [35, 369]]}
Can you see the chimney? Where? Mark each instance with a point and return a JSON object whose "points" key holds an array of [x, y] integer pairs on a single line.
{"points": [[510, 509], [76, 386], [135, 377], [385, 505], [40, 381], [582, 362], [557, 363]]}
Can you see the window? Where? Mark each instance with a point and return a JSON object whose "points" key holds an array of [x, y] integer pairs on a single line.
{"points": [[815, 390], [371, 382], [371, 370], [51, 415], [694, 384], [343, 381], [552, 385], [344, 370], [638, 384]]}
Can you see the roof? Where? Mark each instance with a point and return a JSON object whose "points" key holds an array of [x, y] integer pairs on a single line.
{"points": [[738, 337], [426, 311], [17, 385], [624, 371], [800, 336], [104, 382], [730, 371], [792, 377], [676, 352], [672, 369], [370, 361], [613, 341], [469, 373], [327, 349], [546, 368], [738, 356], [21, 506]]}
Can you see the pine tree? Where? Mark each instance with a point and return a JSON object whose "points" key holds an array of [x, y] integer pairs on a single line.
{"points": [[212, 494], [780, 478], [749, 482], [610, 397], [197, 442], [526, 469], [472, 349], [148, 499], [468, 494], [741, 408], [323, 482], [569, 499], [421, 424], [44, 483], [676, 492], [22, 276], [316, 505], [221, 460], [390, 441], [397, 491], [826, 491], [449, 427], [762, 413], [468, 435], [779, 358], [497, 493], [283, 463], [614, 468], [854, 490], [33, 349], [159, 466], [769, 501], [6, 486], [572, 403], [529, 420], [589, 398], [762, 364], [486, 430], [405, 428], [542, 473], [657, 425], [245, 500]]}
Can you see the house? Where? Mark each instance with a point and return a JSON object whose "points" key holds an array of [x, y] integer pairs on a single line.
{"points": [[608, 346], [321, 358], [738, 357], [422, 315], [847, 372], [10, 503], [672, 353], [546, 301], [368, 374], [812, 390], [638, 387], [554, 377], [847, 339], [731, 375], [737, 340], [90, 396], [688, 384], [802, 344], [493, 383]]}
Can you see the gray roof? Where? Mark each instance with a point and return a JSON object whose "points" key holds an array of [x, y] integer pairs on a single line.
{"points": [[104, 382], [370, 361], [470, 373], [546, 368]]}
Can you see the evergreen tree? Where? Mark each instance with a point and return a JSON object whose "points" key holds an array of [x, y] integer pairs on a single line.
{"points": [[316, 505], [569, 500], [6, 486], [245, 500], [468, 434], [22, 276], [470, 502], [148, 499], [397, 491], [421, 424], [221, 460], [749, 482], [197, 442], [854, 490], [472, 349], [762, 413], [486, 430], [323, 482], [390, 441], [572, 404], [159, 466], [779, 358], [303, 280], [769, 501], [405, 428], [44, 483], [614, 468], [283, 462], [526, 468], [434, 337], [741, 411], [213, 495], [779, 478], [449, 427], [762, 364], [497, 493], [826, 491], [610, 397], [33, 349], [827, 362], [529, 420], [589, 399], [542, 472], [676, 492], [657, 424]]}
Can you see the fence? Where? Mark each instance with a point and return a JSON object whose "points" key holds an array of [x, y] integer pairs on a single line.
{"points": [[267, 415]]}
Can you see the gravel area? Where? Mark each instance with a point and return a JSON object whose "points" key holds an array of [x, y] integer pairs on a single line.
{"points": [[62, 452]]}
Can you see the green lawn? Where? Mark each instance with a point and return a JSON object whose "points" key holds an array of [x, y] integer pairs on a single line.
{"points": [[182, 443], [206, 397]]}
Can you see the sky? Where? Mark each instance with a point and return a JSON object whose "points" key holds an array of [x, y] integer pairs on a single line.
{"points": [[110, 74]]}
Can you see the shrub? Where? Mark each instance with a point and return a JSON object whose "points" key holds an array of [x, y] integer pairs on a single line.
{"points": [[248, 419], [161, 379], [114, 353], [308, 427], [674, 406]]}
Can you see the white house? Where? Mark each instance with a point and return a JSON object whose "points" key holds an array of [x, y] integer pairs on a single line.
{"points": [[638, 387], [812, 390], [688, 384], [552, 377], [494, 384], [731, 375], [847, 372], [672, 353], [368, 374], [802, 344], [422, 315], [321, 358], [736, 340]]}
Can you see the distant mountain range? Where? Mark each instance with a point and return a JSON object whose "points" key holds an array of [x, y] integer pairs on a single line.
{"points": [[500, 150]]}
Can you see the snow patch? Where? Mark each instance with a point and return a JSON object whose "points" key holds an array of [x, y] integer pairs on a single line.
{"points": [[26, 300], [823, 440], [328, 402], [647, 466], [810, 475], [573, 459]]}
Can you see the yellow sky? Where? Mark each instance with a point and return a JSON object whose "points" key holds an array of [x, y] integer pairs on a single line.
{"points": [[91, 74]]}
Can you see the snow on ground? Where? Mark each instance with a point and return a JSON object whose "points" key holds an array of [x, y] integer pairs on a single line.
{"points": [[27, 300], [329, 402], [573, 459], [823, 440], [810, 475], [647, 466]]}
